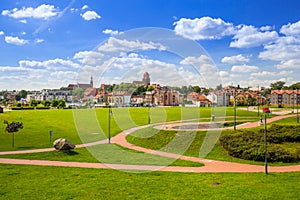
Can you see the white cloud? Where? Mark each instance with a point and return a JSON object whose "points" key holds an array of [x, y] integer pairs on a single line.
{"points": [[203, 28], [244, 68], [291, 29], [23, 33], [114, 45], [250, 36], [235, 59], [283, 49], [289, 64], [266, 28], [223, 73], [1, 33], [39, 40], [15, 40], [90, 15], [23, 21], [55, 64], [84, 7], [264, 74], [89, 57], [43, 11], [111, 32]]}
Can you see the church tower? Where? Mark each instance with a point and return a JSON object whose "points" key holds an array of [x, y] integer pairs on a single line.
{"points": [[91, 82], [146, 78]]}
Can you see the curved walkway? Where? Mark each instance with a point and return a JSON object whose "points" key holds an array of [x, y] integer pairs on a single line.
{"points": [[120, 139]]}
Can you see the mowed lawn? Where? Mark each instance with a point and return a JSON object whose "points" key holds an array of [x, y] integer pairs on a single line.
{"points": [[38, 182], [88, 125]]}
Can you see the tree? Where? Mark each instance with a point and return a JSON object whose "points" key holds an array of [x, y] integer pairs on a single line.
{"points": [[46, 103], [12, 128], [150, 88], [61, 103], [277, 85], [295, 86], [54, 103], [33, 103], [17, 97], [78, 93], [23, 94], [197, 89]]}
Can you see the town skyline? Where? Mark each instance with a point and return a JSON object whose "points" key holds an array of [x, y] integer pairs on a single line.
{"points": [[245, 43]]}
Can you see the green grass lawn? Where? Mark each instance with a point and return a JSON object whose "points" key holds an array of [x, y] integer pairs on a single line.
{"points": [[88, 125], [106, 153], [38, 182]]}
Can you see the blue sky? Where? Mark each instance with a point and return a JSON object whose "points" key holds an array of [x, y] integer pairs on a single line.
{"points": [[48, 44]]}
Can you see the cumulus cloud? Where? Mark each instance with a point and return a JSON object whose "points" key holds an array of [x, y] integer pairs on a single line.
{"points": [[282, 49], [289, 64], [23, 21], [111, 32], [1, 33], [43, 11], [264, 74], [235, 59], [291, 29], [84, 7], [38, 40], [90, 15], [55, 64], [244, 68], [223, 73], [89, 57], [15, 40], [203, 28], [114, 45], [250, 36]]}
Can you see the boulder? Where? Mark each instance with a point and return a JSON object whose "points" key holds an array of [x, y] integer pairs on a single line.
{"points": [[63, 145]]}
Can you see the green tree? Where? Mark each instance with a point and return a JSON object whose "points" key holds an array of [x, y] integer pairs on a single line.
{"points": [[12, 128], [23, 94], [61, 103], [78, 93], [54, 103], [33, 102], [17, 97], [46, 103], [150, 88], [197, 89], [294, 86], [277, 85]]}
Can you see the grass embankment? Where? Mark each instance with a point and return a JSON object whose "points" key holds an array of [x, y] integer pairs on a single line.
{"points": [[37, 182]]}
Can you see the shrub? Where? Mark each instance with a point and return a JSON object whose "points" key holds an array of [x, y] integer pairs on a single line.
{"points": [[249, 145]]}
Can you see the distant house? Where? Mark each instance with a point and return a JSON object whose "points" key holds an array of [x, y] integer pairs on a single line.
{"points": [[285, 97], [1, 109], [119, 98], [83, 86]]}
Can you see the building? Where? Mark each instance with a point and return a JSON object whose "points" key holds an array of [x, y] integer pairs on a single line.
{"points": [[145, 80], [83, 86], [119, 98], [285, 97], [198, 99], [51, 95], [163, 97]]}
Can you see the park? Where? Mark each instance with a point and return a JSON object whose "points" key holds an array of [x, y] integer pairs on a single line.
{"points": [[158, 152]]}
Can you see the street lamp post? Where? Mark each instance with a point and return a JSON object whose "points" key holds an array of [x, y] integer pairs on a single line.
{"points": [[148, 114], [297, 118], [109, 114], [234, 109], [265, 144]]}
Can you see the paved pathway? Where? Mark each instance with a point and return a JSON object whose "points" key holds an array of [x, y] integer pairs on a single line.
{"points": [[120, 139]]}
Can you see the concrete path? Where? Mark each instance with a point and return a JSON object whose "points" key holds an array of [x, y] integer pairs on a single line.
{"points": [[120, 139]]}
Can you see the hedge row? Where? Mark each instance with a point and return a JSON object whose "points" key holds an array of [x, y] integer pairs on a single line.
{"points": [[30, 108], [283, 144]]}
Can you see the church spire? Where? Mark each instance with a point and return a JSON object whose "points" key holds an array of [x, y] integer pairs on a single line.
{"points": [[91, 82]]}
